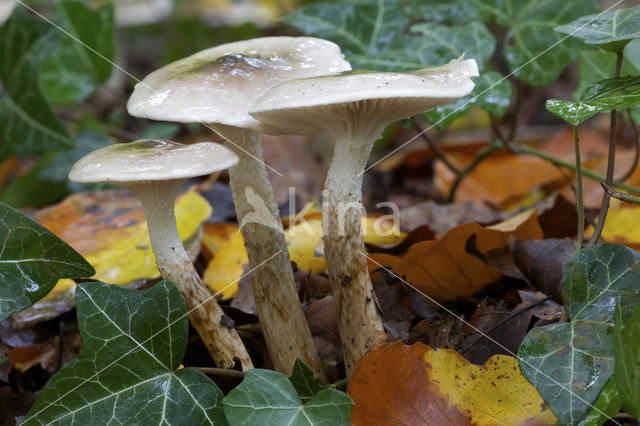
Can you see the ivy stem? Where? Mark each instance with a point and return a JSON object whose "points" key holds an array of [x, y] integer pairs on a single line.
{"points": [[220, 372], [484, 153], [610, 163], [436, 149], [579, 202], [620, 195], [516, 111], [636, 148]]}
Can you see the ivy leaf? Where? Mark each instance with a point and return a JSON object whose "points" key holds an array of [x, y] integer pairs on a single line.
{"points": [[627, 364], [610, 30], [267, 397], [570, 362], [303, 380], [128, 370], [439, 43], [616, 93], [491, 93], [73, 70], [606, 406], [452, 11], [27, 124], [531, 50], [373, 35], [32, 260], [596, 65]]}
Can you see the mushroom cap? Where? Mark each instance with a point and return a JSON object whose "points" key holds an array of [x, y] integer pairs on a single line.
{"points": [[356, 100], [219, 85], [151, 160]]}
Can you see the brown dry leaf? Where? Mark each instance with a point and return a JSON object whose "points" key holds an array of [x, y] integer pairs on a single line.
{"points": [[443, 217], [28, 356], [502, 180], [416, 385], [444, 269]]}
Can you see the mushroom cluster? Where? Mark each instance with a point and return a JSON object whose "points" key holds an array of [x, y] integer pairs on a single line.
{"points": [[275, 85]]}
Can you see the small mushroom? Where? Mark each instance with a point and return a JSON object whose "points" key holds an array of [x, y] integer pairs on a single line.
{"points": [[155, 170], [354, 107], [217, 86]]}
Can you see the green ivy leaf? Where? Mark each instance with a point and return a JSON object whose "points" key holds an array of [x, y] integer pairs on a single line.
{"points": [[615, 93], [304, 382], [451, 11], [489, 93], [73, 70], [569, 363], [439, 43], [371, 33], [596, 65], [128, 370], [610, 30], [27, 124], [32, 260], [266, 397], [531, 50], [605, 407], [627, 364]]}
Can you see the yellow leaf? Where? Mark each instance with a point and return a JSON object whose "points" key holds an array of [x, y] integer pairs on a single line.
{"points": [[224, 246], [109, 230], [418, 385], [622, 226]]}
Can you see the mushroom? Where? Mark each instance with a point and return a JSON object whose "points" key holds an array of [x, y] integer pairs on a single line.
{"points": [[217, 86], [354, 108], [155, 170]]}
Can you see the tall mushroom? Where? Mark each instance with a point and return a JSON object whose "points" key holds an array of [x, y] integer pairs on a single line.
{"points": [[217, 86], [155, 170], [355, 107]]}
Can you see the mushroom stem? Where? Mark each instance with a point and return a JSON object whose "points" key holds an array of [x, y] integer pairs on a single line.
{"points": [[285, 328], [222, 342], [359, 320]]}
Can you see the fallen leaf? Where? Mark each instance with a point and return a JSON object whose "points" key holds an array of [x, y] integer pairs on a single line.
{"points": [[417, 385], [622, 226], [224, 247], [443, 217], [444, 270], [543, 262], [26, 357], [108, 228]]}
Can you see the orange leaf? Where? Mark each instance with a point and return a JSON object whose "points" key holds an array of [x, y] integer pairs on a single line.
{"points": [[417, 385], [444, 270]]}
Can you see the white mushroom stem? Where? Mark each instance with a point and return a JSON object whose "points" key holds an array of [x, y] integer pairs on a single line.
{"points": [[359, 320], [285, 329], [222, 342]]}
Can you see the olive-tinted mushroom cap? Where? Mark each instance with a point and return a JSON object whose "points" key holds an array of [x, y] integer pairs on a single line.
{"points": [[152, 160], [218, 85], [315, 104]]}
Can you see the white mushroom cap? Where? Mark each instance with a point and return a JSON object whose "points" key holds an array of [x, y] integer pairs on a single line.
{"points": [[152, 160], [360, 99], [218, 85]]}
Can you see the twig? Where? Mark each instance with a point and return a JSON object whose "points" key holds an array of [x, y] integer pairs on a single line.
{"points": [[610, 164], [60, 346], [484, 153], [620, 195], [636, 148], [339, 384], [436, 149], [495, 127], [214, 371], [505, 320], [579, 202]]}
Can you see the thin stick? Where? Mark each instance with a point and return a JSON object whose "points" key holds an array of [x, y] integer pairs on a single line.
{"points": [[436, 149], [516, 111], [610, 164], [579, 201], [620, 195], [214, 371]]}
